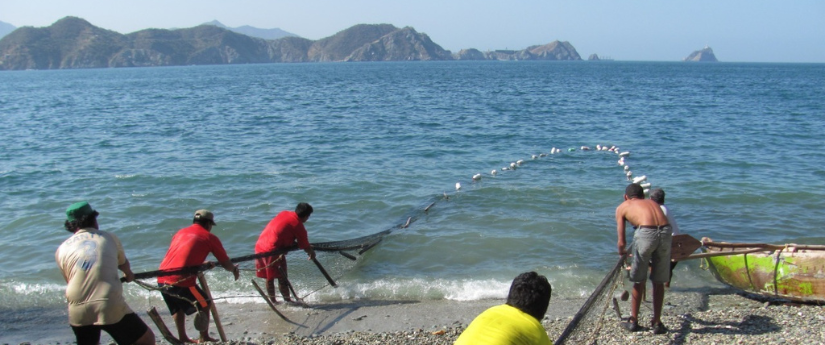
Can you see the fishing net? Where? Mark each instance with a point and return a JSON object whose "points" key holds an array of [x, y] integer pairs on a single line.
{"points": [[585, 326]]}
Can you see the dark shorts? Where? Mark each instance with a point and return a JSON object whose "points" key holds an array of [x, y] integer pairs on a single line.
{"points": [[186, 299], [126, 331]]}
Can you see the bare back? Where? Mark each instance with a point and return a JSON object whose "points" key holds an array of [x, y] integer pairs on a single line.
{"points": [[641, 212]]}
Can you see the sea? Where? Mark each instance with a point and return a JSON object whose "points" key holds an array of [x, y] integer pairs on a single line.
{"points": [[737, 147]]}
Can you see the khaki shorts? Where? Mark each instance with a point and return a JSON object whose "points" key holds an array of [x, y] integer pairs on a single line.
{"points": [[651, 247]]}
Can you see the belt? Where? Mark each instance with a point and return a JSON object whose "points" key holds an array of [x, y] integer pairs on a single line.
{"points": [[653, 227]]}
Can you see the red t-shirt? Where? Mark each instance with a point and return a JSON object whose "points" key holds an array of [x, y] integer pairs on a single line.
{"points": [[282, 231], [189, 247]]}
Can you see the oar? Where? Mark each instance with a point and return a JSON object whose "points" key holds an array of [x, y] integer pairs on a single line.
{"points": [[324, 272], [712, 254]]}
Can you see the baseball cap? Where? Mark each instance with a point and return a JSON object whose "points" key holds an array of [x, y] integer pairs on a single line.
{"points": [[205, 214], [79, 210]]}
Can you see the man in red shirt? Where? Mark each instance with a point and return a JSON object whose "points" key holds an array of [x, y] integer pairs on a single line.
{"points": [[283, 231], [189, 247]]}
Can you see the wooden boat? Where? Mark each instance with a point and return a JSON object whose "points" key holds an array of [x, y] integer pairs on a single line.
{"points": [[791, 272]]}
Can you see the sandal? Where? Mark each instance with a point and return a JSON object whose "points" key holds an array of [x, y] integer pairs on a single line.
{"points": [[659, 328], [630, 326]]}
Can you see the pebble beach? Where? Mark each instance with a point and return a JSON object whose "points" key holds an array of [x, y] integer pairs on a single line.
{"points": [[720, 317], [707, 316]]}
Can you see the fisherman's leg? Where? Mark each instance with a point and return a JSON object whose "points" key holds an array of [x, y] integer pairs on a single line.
{"points": [[270, 289], [148, 338], [284, 288], [636, 301], [180, 323], [658, 301], [205, 331]]}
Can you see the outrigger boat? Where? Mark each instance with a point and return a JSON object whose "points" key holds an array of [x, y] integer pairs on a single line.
{"points": [[792, 272]]}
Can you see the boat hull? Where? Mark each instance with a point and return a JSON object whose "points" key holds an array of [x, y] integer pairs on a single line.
{"points": [[793, 275]]}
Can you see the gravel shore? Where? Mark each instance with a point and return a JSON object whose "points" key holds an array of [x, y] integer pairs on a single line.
{"points": [[717, 319], [706, 316]]}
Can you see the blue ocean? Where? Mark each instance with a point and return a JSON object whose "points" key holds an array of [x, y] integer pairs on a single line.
{"points": [[737, 147]]}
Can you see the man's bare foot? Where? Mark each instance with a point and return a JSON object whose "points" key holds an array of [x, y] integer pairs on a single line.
{"points": [[206, 339], [187, 340]]}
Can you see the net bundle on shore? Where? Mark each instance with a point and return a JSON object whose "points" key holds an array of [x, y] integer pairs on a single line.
{"points": [[585, 326]]}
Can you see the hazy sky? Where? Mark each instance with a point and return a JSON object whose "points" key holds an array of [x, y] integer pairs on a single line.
{"points": [[737, 30]]}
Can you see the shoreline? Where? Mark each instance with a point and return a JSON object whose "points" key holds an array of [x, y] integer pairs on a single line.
{"points": [[694, 316]]}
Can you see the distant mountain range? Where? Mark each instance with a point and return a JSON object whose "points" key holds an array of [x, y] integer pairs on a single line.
{"points": [[267, 34], [75, 43], [5, 29]]}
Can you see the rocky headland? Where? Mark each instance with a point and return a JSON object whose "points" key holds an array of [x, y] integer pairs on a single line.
{"points": [[75, 43], [703, 55]]}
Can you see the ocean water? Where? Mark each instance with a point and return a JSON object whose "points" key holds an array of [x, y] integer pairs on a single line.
{"points": [[737, 147]]}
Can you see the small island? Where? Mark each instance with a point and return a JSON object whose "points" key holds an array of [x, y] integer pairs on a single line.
{"points": [[703, 55]]}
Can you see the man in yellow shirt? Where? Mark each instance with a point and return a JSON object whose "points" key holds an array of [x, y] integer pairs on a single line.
{"points": [[517, 322]]}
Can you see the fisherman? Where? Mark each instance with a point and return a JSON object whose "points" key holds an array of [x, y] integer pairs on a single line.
{"points": [[652, 240], [285, 230], [89, 261], [189, 247], [518, 321], [658, 195]]}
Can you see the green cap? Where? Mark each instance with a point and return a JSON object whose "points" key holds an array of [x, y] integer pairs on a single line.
{"points": [[79, 210]]}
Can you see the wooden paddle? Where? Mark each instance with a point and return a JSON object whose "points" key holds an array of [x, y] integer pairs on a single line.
{"points": [[682, 246]]}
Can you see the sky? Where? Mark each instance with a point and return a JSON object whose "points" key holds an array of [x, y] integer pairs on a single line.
{"points": [[625, 30]]}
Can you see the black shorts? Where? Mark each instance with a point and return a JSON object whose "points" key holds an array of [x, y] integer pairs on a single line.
{"points": [[186, 299], [126, 331]]}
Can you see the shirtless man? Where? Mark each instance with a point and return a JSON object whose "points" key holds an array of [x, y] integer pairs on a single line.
{"points": [[652, 240]]}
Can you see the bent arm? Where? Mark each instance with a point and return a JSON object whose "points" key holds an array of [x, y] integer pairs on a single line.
{"points": [[227, 265], [127, 271]]}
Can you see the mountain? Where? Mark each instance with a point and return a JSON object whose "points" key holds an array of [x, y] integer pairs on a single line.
{"points": [[5, 29], [703, 55], [399, 45], [339, 46], [267, 34], [68, 43], [555, 50], [75, 43]]}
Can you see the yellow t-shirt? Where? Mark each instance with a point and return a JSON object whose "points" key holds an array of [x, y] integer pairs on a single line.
{"points": [[89, 261], [504, 325]]}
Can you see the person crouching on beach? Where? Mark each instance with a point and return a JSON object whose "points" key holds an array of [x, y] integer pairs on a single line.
{"points": [[652, 240], [189, 247], [518, 321], [89, 261], [284, 231]]}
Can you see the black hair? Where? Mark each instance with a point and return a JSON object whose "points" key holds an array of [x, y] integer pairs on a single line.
{"points": [[634, 190], [530, 293], [658, 195], [86, 221], [204, 222], [303, 210]]}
